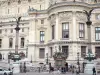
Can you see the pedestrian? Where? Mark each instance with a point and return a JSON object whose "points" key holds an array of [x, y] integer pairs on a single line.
{"points": [[73, 69], [20, 67], [12, 69], [94, 71], [24, 67], [9, 69]]}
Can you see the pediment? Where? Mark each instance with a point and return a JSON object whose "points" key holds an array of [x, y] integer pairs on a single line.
{"points": [[42, 28], [96, 24], [22, 35], [11, 36]]}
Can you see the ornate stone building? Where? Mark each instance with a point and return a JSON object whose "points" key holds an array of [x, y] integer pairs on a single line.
{"points": [[46, 25]]}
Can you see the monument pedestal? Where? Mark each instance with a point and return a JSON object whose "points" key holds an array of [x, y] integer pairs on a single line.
{"points": [[88, 68]]}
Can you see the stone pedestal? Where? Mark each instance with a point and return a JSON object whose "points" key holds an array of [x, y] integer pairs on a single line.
{"points": [[88, 68]]}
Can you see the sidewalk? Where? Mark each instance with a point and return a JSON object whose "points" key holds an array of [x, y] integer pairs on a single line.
{"points": [[52, 73]]}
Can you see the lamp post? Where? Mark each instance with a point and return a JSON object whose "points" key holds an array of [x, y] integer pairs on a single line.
{"points": [[31, 59], [9, 57], [3, 56], [78, 63], [27, 49], [47, 58]]}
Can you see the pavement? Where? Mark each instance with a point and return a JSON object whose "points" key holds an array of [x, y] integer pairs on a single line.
{"points": [[52, 73]]}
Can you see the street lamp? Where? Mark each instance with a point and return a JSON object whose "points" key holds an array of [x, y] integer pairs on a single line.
{"points": [[3, 56], [78, 63], [47, 58], [26, 51], [31, 59]]}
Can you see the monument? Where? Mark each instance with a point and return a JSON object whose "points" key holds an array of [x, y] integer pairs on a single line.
{"points": [[89, 63], [60, 58]]}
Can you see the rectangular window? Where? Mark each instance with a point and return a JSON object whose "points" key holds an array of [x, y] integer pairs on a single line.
{"points": [[97, 52], [97, 33], [42, 21], [41, 52], [18, 10], [10, 42], [22, 42], [0, 31], [51, 52], [0, 43], [83, 51], [22, 29], [29, 0], [8, 11], [81, 30], [53, 32], [65, 50], [98, 0], [41, 36], [11, 30], [65, 30]]}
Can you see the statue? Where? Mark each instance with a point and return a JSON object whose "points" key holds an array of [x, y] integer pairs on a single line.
{"points": [[88, 14]]}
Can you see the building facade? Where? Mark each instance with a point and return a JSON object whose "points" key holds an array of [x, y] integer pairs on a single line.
{"points": [[47, 24]]}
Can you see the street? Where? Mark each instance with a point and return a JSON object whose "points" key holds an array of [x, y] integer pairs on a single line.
{"points": [[47, 73]]}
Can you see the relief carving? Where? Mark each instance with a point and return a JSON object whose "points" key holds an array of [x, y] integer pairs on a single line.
{"points": [[52, 19], [42, 28], [65, 16], [81, 17]]}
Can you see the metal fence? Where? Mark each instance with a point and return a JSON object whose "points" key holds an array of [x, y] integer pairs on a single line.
{"points": [[37, 69]]}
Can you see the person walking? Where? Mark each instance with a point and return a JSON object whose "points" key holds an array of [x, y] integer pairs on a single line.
{"points": [[24, 67], [94, 71]]}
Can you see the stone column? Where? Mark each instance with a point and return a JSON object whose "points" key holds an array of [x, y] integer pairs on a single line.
{"points": [[57, 27], [32, 31], [74, 26], [32, 40]]}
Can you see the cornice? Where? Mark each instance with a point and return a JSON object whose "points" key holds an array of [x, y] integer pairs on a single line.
{"points": [[64, 42], [12, 49], [14, 22], [79, 4]]}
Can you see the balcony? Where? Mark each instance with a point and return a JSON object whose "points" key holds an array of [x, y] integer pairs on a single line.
{"points": [[82, 1]]}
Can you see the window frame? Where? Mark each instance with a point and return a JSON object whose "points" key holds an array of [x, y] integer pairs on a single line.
{"points": [[43, 56], [22, 42], [10, 46], [97, 31], [0, 43], [82, 30], [42, 36], [65, 29], [83, 47], [53, 32]]}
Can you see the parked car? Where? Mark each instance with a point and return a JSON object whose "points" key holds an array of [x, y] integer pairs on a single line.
{"points": [[5, 72]]}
